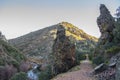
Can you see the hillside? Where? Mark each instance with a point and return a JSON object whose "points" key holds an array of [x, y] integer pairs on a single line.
{"points": [[37, 45], [9, 54], [10, 59]]}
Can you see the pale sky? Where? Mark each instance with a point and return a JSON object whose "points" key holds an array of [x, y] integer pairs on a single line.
{"points": [[19, 17]]}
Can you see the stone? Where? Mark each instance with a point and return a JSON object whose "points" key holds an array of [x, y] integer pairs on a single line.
{"points": [[112, 65], [63, 52], [100, 68], [106, 24]]}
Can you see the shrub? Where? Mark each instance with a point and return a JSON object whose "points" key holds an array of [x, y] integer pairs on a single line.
{"points": [[91, 56], [46, 75], [20, 76], [98, 60], [24, 67], [112, 51], [10, 71], [7, 72], [2, 73], [116, 32], [80, 56], [13, 52], [2, 61], [15, 63], [12, 55]]}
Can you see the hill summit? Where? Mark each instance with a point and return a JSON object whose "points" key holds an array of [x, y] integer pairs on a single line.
{"points": [[76, 33]]}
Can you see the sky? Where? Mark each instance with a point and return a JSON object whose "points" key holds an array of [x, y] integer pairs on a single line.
{"points": [[19, 17]]}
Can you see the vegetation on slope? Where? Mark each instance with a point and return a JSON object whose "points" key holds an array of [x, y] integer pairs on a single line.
{"points": [[9, 54], [10, 61]]}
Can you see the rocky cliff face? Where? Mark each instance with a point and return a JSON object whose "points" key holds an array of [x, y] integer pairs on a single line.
{"points": [[63, 52], [106, 25]]}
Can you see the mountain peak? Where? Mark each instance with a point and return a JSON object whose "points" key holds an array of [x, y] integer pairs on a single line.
{"points": [[75, 32]]}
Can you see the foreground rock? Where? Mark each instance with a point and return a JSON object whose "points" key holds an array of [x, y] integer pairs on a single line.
{"points": [[100, 68], [63, 52]]}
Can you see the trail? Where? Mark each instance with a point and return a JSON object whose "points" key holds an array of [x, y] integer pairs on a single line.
{"points": [[82, 74]]}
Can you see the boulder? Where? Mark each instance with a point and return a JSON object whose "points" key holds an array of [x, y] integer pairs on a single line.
{"points": [[63, 52], [100, 68], [112, 65]]}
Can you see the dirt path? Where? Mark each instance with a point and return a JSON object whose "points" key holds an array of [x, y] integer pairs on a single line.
{"points": [[82, 74]]}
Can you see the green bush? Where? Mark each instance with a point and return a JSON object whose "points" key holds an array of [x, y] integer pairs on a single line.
{"points": [[80, 56], [15, 63], [113, 49], [13, 56], [91, 56], [43, 76], [98, 60], [20, 76], [2, 62], [46, 75], [116, 32], [14, 53]]}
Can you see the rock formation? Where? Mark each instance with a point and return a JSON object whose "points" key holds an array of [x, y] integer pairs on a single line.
{"points": [[2, 37], [106, 25], [63, 52], [108, 46]]}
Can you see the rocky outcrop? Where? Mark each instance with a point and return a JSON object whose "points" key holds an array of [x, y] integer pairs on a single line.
{"points": [[108, 44], [2, 37], [106, 25], [63, 52]]}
